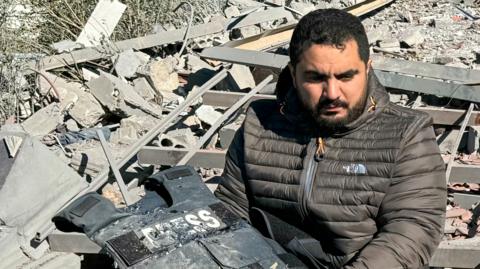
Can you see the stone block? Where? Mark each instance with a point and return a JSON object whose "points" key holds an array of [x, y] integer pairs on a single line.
{"points": [[207, 114]]}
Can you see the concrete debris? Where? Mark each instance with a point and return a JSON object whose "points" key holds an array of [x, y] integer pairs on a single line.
{"points": [[239, 78], [193, 122], [66, 46], [127, 62], [231, 12], [302, 7], [72, 125], [88, 74], [391, 45], [246, 31], [132, 128], [44, 121], [143, 88], [11, 255], [56, 260], [412, 37], [52, 184], [207, 114], [80, 105], [227, 133], [162, 74], [178, 138], [101, 23]]}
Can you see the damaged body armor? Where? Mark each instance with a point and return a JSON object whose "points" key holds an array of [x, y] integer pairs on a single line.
{"points": [[178, 224]]}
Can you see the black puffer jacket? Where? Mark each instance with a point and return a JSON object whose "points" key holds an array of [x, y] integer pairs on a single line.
{"points": [[374, 197]]}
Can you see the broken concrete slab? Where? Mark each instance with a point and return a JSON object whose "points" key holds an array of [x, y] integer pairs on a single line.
{"points": [[127, 62], [72, 125], [56, 260], [245, 32], [193, 122], [128, 94], [101, 23], [227, 133], [162, 74], [80, 105], [51, 185], [12, 142], [66, 46], [132, 128], [207, 114], [239, 78], [44, 121], [412, 37], [143, 88], [195, 63], [231, 11], [88, 74], [11, 255], [391, 45], [178, 138], [302, 7]]}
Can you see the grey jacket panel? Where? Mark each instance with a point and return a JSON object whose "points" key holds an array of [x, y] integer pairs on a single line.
{"points": [[378, 194]]}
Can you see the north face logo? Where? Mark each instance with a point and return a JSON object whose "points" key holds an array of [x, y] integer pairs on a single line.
{"points": [[355, 168]]}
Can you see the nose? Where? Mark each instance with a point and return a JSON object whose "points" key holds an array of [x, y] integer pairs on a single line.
{"points": [[331, 89]]}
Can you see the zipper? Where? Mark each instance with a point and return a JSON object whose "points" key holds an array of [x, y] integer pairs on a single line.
{"points": [[317, 151]]}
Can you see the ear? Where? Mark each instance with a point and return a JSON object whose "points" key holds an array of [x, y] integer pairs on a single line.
{"points": [[369, 65], [292, 73]]}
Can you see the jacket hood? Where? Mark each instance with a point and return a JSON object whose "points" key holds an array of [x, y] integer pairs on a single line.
{"points": [[291, 108]]}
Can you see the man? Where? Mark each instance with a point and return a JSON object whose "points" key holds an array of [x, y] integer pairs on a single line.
{"points": [[332, 170]]}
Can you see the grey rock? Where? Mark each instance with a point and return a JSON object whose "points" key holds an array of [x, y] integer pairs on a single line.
{"points": [[44, 121], [207, 114]]}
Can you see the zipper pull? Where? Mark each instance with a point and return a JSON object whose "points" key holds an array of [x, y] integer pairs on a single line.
{"points": [[320, 151]]}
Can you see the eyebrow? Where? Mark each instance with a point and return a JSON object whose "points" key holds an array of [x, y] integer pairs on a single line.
{"points": [[346, 74]]}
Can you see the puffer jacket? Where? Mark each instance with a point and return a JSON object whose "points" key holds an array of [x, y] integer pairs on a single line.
{"points": [[370, 196]]}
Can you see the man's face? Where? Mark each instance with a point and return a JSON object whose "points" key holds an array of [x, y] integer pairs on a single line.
{"points": [[332, 83]]}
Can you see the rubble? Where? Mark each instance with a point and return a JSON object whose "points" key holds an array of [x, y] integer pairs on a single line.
{"points": [[128, 87], [207, 114]]}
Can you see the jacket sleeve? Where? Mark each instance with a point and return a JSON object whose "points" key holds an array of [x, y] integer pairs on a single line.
{"points": [[231, 189], [411, 217]]}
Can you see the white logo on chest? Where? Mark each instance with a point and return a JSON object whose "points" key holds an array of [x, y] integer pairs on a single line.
{"points": [[355, 169]]}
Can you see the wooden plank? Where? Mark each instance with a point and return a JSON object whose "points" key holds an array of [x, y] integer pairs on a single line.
{"points": [[265, 42]]}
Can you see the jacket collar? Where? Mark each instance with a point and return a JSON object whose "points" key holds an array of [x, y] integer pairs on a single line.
{"points": [[290, 106]]}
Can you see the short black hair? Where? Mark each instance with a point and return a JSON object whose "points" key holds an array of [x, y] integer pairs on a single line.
{"points": [[328, 27]]}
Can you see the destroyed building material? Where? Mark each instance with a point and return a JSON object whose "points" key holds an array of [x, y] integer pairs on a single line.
{"points": [[162, 74], [44, 121], [143, 88], [66, 46], [56, 260], [11, 255], [102, 22], [81, 105], [239, 78], [52, 184], [412, 37], [178, 138], [212, 132], [150, 135], [258, 17], [207, 114], [168, 156], [127, 62], [90, 54], [388, 79], [227, 133]]}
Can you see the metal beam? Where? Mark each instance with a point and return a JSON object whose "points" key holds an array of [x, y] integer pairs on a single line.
{"points": [[466, 76], [466, 200], [428, 86], [457, 141], [462, 253], [269, 14], [226, 115], [465, 173], [90, 54], [171, 156], [441, 116]]}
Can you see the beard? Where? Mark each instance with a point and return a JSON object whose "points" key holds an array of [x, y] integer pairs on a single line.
{"points": [[325, 120]]}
